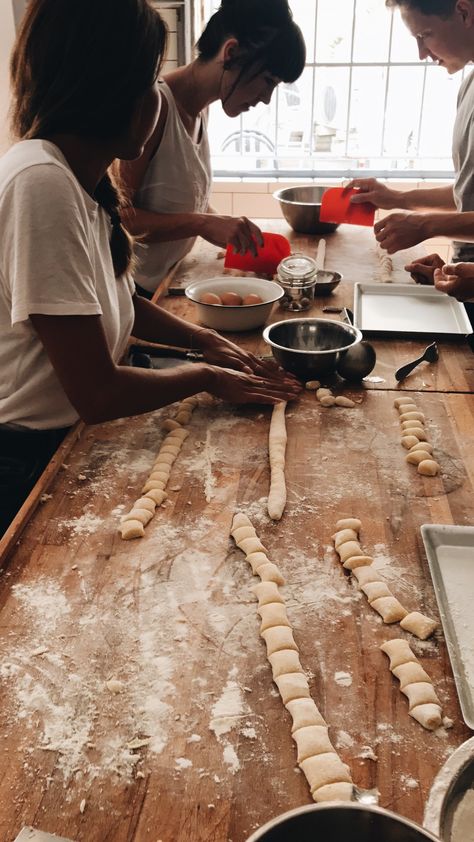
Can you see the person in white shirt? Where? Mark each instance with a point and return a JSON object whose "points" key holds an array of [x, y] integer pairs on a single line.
{"points": [[247, 48], [83, 93], [444, 31]]}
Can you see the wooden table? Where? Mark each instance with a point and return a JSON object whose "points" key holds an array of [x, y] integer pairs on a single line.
{"points": [[194, 743]]}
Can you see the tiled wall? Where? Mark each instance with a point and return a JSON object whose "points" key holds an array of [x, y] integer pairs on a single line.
{"points": [[254, 199]]}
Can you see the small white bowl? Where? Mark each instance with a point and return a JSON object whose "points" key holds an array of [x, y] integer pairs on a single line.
{"points": [[243, 317]]}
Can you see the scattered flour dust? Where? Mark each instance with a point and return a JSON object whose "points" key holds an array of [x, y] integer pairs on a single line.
{"points": [[344, 679], [101, 693], [86, 524], [226, 714]]}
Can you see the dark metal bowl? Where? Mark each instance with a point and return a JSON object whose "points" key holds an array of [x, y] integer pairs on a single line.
{"points": [[351, 822], [326, 281], [301, 206], [310, 347]]}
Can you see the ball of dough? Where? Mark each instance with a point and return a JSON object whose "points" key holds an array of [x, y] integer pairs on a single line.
{"points": [[428, 468], [409, 441], [408, 407], [419, 625], [412, 416], [327, 400], [183, 417], [355, 561], [251, 298], [169, 424], [417, 456], [231, 299], [312, 385], [341, 400], [349, 523], [422, 445], [398, 402], [210, 298], [131, 529]]}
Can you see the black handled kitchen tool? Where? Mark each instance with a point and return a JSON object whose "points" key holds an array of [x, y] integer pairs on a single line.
{"points": [[429, 355]]}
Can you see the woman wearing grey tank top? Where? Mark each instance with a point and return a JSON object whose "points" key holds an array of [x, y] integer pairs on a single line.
{"points": [[247, 48]]}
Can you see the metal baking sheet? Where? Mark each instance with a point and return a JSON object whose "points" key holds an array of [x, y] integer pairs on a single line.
{"points": [[408, 308], [450, 553]]}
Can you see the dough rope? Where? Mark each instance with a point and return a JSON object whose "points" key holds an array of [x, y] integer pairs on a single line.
{"points": [[415, 439], [378, 593], [415, 683], [386, 266], [328, 777], [276, 450], [132, 524]]}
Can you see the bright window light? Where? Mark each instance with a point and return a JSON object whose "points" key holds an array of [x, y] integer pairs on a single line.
{"points": [[364, 102]]}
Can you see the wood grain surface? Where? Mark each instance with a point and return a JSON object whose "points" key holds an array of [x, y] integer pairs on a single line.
{"points": [[137, 703]]}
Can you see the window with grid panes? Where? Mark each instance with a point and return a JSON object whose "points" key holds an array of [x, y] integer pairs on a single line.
{"points": [[364, 102]]}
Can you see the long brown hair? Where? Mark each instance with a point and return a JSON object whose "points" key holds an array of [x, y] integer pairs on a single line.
{"points": [[80, 68]]}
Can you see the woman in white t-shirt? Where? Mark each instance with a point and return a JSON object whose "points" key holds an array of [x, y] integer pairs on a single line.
{"points": [[84, 93], [247, 48]]}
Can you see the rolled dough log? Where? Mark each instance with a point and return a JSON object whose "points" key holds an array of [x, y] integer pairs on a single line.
{"points": [[276, 449]]}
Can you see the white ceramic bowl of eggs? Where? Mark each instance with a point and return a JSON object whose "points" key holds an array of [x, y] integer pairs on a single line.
{"points": [[233, 304]]}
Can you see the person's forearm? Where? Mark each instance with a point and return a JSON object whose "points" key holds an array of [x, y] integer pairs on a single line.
{"points": [[457, 226], [154, 324], [154, 227], [435, 198], [133, 391]]}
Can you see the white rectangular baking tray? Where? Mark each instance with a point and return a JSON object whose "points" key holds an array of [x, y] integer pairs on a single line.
{"points": [[450, 554], [408, 308]]}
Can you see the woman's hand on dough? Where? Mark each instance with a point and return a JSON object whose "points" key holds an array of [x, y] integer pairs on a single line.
{"points": [[239, 232], [456, 279], [422, 270], [373, 191], [401, 231], [239, 387], [218, 350]]}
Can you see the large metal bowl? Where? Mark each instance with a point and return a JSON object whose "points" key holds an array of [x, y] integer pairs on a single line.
{"points": [[310, 348], [301, 206], [340, 821]]}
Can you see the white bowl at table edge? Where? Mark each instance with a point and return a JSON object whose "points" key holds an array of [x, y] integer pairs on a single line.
{"points": [[237, 317]]}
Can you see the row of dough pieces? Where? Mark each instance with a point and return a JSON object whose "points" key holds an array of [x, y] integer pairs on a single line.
{"points": [[379, 595], [414, 437], [132, 524], [328, 777], [326, 397], [415, 683]]}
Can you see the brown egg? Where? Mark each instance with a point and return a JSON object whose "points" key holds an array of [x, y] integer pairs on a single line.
{"points": [[231, 299], [210, 298], [252, 298]]}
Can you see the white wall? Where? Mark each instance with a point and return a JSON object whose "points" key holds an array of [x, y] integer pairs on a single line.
{"points": [[7, 36]]}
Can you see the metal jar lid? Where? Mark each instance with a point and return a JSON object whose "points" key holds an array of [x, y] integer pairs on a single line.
{"points": [[297, 269]]}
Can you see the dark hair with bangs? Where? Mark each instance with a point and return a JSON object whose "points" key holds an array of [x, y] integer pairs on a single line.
{"points": [[80, 68], [269, 39], [439, 8]]}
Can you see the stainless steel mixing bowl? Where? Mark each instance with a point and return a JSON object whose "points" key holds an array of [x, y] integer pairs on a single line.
{"points": [[336, 822], [301, 206], [310, 347]]}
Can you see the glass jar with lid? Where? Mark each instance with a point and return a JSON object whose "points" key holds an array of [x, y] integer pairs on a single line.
{"points": [[297, 275]]}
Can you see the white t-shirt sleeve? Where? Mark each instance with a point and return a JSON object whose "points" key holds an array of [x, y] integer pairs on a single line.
{"points": [[47, 257]]}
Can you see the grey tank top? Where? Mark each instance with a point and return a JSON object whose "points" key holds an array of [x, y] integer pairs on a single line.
{"points": [[178, 180]]}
